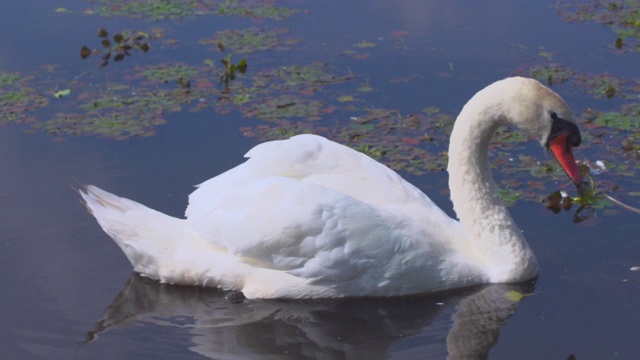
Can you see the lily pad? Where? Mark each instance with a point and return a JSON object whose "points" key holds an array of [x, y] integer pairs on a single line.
{"points": [[118, 125], [252, 39], [18, 98], [151, 9], [169, 72], [166, 9], [254, 9], [284, 107], [61, 93], [622, 17]]}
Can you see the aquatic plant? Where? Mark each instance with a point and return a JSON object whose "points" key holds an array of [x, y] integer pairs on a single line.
{"points": [[115, 124], [301, 79], [284, 107], [168, 72], [155, 10], [18, 97], [286, 97], [252, 39], [551, 74], [254, 9], [229, 69], [122, 45], [623, 17], [151, 9], [589, 198]]}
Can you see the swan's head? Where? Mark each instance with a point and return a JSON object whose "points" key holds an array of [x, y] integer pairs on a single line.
{"points": [[540, 113]]}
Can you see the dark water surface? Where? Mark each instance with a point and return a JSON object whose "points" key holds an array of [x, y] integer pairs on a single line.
{"points": [[68, 291]]}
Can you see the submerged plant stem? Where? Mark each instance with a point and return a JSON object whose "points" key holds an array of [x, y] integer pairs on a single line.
{"points": [[620, 203]]}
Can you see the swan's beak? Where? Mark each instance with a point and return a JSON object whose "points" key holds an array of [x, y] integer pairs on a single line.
{"points": [[563, 151]]}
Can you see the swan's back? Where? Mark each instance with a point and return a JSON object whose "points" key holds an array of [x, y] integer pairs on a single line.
{"points": [[312, 159]]}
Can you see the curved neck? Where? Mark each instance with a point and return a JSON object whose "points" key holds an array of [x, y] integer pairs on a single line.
{"points": [[496, 239]]}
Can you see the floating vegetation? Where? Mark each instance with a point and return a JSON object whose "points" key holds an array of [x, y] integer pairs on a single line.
{"points": [[61, 93], [615, 127], [286, 99], [589, 199], [281, 129], [117, 125], [401, 142], [254, 9], [618, 120], [601, 86], [122, 45], [252, 39], [164, 73], [123, 110], [17, 97], [284, 107], [115, 111], [184, 9], [365, 87], [358, 53], [623, 17], [303, 79], [550, 74], [151, 9], [365, 44]]}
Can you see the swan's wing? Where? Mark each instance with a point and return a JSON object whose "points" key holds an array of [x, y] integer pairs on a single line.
{"points": [[328, 214], [326, 237], [316, 160]]}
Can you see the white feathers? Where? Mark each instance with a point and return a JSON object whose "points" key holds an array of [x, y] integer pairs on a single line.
{"points": [[307, 217]]}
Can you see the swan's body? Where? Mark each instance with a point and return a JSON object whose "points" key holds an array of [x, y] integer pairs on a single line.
{"points": [[307, 217]]}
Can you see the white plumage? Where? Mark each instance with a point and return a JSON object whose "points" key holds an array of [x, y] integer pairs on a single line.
{"points": [[307, 217]]}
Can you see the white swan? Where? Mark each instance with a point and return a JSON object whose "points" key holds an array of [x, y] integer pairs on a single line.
{"points": [[309, 218]]}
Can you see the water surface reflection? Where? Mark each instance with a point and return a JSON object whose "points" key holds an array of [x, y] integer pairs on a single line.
{"points": [[318, 329]]}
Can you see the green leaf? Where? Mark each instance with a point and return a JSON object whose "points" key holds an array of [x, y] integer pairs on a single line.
{"points": [[365, 87], [514, 296], [365, 44], [619, 43], [61, 93], [346, 98], [184, 83], [242, 66]]}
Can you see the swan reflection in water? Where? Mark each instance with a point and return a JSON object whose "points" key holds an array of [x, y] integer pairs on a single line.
{"points": [[319, 329]]}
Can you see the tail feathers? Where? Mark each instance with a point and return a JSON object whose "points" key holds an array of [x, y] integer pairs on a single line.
{"points": [[165, 248], [147, 237]]}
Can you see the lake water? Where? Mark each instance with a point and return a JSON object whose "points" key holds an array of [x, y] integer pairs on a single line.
{"points": [[69, 293]]}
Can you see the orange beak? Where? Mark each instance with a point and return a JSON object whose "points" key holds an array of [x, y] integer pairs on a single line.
{"points": [[563, 152]]}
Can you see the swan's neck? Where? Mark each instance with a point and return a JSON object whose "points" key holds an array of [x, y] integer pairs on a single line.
{"points": [[494, 237]]}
